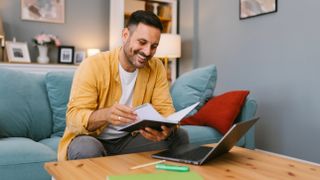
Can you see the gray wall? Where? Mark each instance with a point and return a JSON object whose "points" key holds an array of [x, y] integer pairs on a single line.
{"points": [[277, 58], [186, 30], [86, 25]]}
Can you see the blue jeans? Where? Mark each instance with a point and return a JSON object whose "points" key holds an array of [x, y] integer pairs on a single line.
{"points": [[84, 146]]}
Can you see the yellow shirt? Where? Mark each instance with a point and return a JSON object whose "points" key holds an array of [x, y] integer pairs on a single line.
{"points": [[96, 84]]}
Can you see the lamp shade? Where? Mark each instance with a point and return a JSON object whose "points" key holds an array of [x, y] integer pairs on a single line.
{"points": [[169, 46], [92, 51]]}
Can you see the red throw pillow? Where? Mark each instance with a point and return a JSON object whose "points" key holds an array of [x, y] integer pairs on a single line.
{"points": [[219, 112]]}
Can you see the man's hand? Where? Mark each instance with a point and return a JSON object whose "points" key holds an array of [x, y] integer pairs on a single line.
{"points": [[117, 114], [155, 135], [120, 114]]}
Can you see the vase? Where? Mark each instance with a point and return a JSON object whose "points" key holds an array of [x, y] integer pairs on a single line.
{"points": [[43, 55]]}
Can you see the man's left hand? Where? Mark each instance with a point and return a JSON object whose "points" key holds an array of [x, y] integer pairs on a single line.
{"points": [[155, 135]]}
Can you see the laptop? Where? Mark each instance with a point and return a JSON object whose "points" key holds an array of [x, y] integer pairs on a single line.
{"points": [[197, 155]]}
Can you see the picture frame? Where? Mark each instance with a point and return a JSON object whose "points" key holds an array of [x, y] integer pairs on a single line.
{"points": [[66, 54], [253, 8], [79, 56], [52, 11], [17, 52]]}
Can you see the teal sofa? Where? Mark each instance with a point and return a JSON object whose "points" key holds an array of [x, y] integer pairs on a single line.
{"points": [[32, 117]]}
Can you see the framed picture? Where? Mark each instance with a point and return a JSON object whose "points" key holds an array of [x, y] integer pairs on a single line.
{"points": [[252, 8], [66, 54], [51, 11], [79, 56], [18, 52]]}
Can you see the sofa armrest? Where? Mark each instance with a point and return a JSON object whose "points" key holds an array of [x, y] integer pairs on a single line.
{"points": [[248, 111]]}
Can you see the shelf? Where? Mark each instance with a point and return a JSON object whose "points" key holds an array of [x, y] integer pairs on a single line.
{"points": [[163, 19], [38, 68]]}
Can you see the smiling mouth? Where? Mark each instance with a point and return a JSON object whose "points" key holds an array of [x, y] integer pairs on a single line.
{"points": [[142, 59]]}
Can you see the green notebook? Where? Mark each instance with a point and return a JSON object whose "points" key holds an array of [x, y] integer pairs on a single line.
{"points": [[159, 176]]}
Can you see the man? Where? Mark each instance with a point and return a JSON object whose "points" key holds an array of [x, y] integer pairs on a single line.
{"points": [[108, 86]]}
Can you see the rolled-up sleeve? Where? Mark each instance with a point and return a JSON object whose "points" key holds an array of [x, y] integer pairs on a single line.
{"points": [[83, 99]]}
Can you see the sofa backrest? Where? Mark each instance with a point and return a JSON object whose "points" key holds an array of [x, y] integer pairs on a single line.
{"points": [[24, 105], [34, 105]]}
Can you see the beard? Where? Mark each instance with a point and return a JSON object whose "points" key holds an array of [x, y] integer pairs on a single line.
{"points": [[135, 58]]}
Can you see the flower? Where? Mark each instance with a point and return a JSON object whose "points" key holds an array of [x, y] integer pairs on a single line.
{"points": [[46, 39]]}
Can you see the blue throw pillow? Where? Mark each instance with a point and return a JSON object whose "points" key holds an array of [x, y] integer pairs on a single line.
{"points": [[24, 105], [58, 87], [194, 86]]}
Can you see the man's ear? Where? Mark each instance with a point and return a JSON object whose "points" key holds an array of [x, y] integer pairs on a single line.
{"points": [[125, 34]]}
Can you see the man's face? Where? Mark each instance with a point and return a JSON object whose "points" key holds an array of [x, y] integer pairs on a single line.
{"points": [[140, 44]]}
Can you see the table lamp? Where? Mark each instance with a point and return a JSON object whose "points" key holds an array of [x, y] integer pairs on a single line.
{"points": [[92, 51], [169, 47]]}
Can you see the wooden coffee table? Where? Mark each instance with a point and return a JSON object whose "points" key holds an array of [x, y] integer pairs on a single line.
{"points": [[239, 163]]}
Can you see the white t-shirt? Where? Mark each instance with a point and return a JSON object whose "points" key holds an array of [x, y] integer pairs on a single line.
{"points": [[128, 80]]}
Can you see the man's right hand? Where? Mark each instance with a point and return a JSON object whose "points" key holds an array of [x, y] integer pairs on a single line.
{"points": [[117, 114]]}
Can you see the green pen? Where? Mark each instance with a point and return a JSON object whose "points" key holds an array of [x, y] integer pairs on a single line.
{"points": [[172, 167]]}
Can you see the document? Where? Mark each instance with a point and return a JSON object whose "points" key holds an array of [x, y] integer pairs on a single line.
{"points": [[149, 117]]}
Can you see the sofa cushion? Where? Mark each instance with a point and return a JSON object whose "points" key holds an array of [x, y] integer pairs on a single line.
{"points": [[24, 105], [58, 87], [194, 86], [33, 171], [23, 158], [205, 135], [202, 134], [220, 112], [52, 142], [16, 150]]}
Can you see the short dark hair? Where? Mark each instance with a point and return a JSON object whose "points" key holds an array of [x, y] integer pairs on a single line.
{"points": [[145, 17]]}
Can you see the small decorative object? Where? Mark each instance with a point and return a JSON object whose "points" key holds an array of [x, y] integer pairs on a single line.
{"points": [[17, 52], [79, 56], [66, 54], [252, 8], [155, 8], [43, 41], [2, 40], [51, 11]]}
